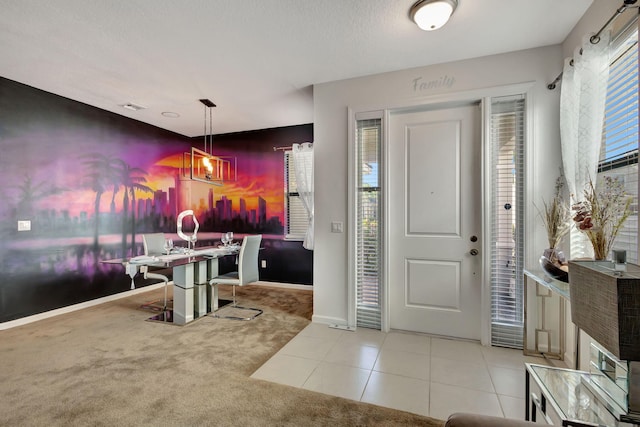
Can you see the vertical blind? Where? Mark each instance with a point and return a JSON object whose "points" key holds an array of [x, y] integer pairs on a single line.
{"points": [[368, 223], [619, 149], [297, 219], [507, 213]]}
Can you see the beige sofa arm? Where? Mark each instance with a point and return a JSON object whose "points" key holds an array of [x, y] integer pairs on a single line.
{"points": [[475, 420]]}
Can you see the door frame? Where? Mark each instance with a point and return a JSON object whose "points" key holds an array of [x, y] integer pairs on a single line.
{"points": [[483, 96]]}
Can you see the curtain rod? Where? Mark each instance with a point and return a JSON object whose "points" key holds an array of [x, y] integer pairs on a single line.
{"points": [[595, 39]]}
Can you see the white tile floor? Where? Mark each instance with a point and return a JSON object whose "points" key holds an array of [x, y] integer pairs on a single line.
{"points": [[411, 372]]}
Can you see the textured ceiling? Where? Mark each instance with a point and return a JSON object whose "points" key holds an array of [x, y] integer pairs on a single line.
{"points": [[256, 59]]}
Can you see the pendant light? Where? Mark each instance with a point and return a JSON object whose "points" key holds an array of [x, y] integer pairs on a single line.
{"points": [[203, 165]]}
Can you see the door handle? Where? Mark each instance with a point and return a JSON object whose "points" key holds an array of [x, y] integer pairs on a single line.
{"points": [[473, 252]]}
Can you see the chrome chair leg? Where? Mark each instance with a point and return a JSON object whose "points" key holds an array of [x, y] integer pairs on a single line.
{"points": [[257, 312]]}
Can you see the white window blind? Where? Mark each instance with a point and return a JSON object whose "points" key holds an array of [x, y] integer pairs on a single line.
{"points": [[297, 219], [619, 150], [368, 221], [507, 215]]}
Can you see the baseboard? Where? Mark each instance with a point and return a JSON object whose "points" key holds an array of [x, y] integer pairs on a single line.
{"points": [[330, 321], [342, 327], [63, 310], [285, 285]]}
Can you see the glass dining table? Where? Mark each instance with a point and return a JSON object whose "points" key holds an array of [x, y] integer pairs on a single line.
{"points": [[192, 271]]}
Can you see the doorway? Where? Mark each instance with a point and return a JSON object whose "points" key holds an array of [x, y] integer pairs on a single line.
{"points": [[434, 221]]}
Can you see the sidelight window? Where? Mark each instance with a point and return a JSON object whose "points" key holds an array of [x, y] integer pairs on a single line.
{"points": [[368, 238], [507, 215], [297, 218]]}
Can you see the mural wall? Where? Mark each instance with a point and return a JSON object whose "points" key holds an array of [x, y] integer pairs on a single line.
{"points": [[88, 183]]}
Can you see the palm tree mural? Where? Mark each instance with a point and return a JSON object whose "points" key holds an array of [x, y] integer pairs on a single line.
{"points": [[115, 182], [132, 179], [25, 203], [136, 186], [100, 171], [30, 193]]}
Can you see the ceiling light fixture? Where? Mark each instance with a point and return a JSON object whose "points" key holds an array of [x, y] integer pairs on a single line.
{"points": [[430, 15], [203, 165]]}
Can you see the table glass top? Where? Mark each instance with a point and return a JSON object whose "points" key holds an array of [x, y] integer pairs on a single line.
{"points": [[557, 286], [566, 391], [632, 271], [178, 258]]}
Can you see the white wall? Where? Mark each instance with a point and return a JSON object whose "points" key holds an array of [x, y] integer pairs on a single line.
{"points": [[331, 103]]}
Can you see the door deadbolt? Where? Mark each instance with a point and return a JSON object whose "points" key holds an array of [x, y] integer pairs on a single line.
{"points": [[473, 252], [474, 238]]}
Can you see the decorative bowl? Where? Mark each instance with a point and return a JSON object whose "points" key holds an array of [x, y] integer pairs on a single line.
{"points": [[553, 269]]}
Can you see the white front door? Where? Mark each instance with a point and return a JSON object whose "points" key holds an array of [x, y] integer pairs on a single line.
{"points": [[435, 222]]}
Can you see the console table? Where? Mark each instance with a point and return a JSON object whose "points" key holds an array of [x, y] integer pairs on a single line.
{"points": [[564, 397], [551, 300]]}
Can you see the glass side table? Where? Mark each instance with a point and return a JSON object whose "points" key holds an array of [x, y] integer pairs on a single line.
{"points": [[561, 397]]}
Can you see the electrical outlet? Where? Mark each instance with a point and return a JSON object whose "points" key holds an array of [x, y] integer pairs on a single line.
{"points": [[263, 263], [24, 225]]}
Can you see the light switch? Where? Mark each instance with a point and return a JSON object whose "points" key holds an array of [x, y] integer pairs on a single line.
{"points": [[24, 225], [337, 227]]}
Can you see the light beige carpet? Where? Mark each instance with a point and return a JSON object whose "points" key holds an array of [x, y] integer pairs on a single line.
{"points": [[107, 366]]}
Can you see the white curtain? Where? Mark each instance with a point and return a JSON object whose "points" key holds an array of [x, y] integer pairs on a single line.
{"points": [[303, 165], [582, 106]]}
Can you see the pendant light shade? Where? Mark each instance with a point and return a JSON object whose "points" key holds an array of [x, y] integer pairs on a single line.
{"points": [[430, 15]]}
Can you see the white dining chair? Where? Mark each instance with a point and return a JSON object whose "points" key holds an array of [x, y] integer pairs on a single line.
{"points": [[153, 245], [247, 273]]}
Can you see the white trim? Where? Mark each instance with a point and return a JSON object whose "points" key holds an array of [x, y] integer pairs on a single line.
{"points": [[439, 101], [327, 320], [386, 209], [285, 285], [351, 218], [69, 309], [485, 197]]}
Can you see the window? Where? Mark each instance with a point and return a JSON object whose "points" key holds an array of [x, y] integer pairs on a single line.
{"points": [[619, 150], [297, 219], [507, 220], [368, 240]]}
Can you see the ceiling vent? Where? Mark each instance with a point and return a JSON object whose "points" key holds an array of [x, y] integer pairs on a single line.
{"points": [[133, 107]]}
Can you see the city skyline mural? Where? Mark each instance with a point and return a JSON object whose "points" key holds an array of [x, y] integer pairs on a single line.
{"points": [[90, 182]]}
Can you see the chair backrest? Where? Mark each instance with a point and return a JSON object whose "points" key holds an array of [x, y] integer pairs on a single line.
{"points": [[153, 243], [248, 259]]}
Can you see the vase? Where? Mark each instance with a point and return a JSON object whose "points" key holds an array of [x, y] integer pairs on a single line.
{"points": [[554, 263], [599, 243]]}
